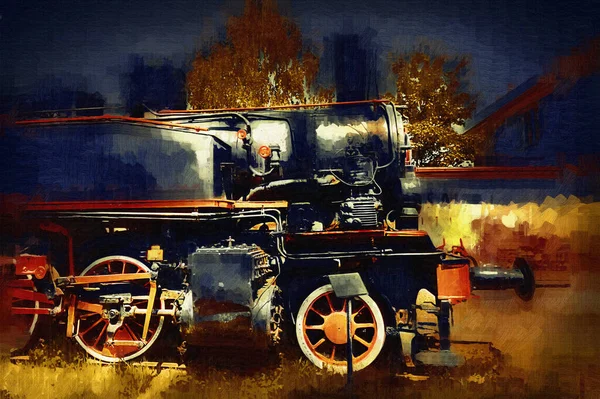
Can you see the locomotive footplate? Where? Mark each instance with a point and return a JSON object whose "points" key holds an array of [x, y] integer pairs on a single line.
{"points": [[383, 241]]}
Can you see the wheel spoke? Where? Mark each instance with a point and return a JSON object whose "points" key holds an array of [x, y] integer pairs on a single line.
{"points": [[87, 314], [315, 327], [137, 322], [91, 327], [357, 311], [318, 343], [100, 335], [133, 335], [329, 302], [332, 353], [344, 305], [317, 312], [362, 341], [150, 330], [123, 270]]}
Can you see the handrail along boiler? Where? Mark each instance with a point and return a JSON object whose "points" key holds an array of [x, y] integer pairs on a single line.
{"points": [[229, 223]]}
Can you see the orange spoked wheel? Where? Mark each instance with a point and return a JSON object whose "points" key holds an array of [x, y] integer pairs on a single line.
{"points": [[116, 334], [321, 330]]}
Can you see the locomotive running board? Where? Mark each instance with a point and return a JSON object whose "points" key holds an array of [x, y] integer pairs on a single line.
{"points": [[150, 205]]}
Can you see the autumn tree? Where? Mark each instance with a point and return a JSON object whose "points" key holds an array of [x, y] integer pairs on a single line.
{"points": [[437, 106], [261, 63]]}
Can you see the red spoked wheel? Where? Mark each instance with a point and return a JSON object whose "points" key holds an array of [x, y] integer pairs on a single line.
{"points": [[321, 330], [116, 334]]}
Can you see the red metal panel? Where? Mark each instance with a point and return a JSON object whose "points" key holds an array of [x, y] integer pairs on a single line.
{"points": [[31, 311], [31, 264], [454, 283], [29, 295], [20, 283]]}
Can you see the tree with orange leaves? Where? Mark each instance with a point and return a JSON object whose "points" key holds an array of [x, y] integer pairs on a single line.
{"points": [[430, 87], [261, 63]]}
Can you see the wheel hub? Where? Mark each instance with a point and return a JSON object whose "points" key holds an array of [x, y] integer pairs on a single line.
{"points": [[335, 328]]}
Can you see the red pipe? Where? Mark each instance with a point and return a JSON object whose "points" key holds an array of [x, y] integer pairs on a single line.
{"points": [[115, 118]]}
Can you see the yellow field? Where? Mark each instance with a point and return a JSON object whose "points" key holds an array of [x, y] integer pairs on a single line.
{"points": [[487, 374]]}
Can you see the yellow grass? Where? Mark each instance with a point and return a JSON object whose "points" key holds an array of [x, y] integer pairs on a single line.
{"points": [[485, 375]]}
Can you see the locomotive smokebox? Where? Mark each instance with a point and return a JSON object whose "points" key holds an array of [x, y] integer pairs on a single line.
{"points": [[520, 278]]}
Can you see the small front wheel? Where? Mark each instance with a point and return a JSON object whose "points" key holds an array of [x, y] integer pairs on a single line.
{"points": [[321, 330]]}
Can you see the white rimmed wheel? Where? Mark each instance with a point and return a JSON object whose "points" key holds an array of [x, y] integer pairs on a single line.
{"points": [[117, 334], [321, 330]]}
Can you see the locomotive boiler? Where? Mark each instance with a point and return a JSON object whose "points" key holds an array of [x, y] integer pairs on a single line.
{"points": [[231, 225]]}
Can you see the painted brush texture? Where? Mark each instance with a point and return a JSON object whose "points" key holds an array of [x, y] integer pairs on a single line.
{"points": [[524, 86]]}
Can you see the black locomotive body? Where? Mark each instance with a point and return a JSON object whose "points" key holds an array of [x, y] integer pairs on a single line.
{"points": [[231, 224]]}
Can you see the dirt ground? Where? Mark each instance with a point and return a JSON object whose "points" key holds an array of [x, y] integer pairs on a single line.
{"points": [[546, 348]]}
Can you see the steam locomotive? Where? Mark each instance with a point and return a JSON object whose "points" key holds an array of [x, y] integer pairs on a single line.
{"points": [[235, 225]]}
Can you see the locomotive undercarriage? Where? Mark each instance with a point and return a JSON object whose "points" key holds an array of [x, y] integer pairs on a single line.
{"points": [[253, 286]]}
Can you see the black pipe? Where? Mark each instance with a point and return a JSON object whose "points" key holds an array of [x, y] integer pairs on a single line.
{"points": [[444, 325], [520, 278]]}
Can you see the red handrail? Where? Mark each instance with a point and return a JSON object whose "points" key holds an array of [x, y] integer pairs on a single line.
{"points": [[290, 106], [103, 118]]}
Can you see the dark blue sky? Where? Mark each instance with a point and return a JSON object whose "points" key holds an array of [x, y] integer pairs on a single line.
{"points": [[90, 41]]}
